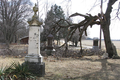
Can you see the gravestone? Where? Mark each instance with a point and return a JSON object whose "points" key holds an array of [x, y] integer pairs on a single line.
{"points": [[50, 39], [49, 48], [95, 43], [34, 58]]}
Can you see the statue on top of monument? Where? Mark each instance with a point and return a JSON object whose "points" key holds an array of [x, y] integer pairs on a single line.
{"points": [[35, 19], [35, 9]]}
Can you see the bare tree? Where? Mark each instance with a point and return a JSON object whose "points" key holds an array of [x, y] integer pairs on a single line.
{"points": [[90, 20], [12, 14], [82, 26], [111, 50], [105, 23]]}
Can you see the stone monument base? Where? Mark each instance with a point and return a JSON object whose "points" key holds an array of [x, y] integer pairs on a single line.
{"points": [[33, 58], [35, 64], [37, 68], [96, 48]]}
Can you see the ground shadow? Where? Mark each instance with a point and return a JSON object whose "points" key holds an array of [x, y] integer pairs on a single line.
{"points": [[111, 73], [108, 71]]}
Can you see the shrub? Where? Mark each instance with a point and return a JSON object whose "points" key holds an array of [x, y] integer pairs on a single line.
{"points": [[16, 71], [2, 73]]}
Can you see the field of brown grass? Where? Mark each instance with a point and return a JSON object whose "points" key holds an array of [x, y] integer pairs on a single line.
{"points": [[84, 68], [90, 43]]}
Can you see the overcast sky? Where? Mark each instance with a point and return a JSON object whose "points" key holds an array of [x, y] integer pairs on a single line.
{"points": [[84, 6]]}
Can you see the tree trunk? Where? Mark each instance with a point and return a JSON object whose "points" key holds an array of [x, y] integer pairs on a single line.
{"points": [[66, 48], [107, 40], [105, 27]]}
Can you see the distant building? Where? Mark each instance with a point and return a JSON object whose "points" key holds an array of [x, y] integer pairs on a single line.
{"points": [[24, 40]]}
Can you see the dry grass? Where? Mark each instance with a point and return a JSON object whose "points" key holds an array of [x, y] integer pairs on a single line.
{"points": [[86, 68], [90, 43], [6, 61]]}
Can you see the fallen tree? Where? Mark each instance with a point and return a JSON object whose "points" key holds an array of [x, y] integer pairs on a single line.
{"points": [[90, 20]]}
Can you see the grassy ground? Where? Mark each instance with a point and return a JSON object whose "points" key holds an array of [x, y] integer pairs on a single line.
{"points": [[85, 68], [90, 43]]}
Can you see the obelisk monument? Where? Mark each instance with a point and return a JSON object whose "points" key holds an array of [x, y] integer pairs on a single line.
{"points": [[34, 58]]}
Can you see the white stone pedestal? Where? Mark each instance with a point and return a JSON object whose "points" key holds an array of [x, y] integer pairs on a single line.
{"points": [[34, 45]]}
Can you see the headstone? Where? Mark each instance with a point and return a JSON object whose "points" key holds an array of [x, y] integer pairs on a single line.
{"points": [[34, 58], [95, 43], [50, 43], [49, 48]]}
